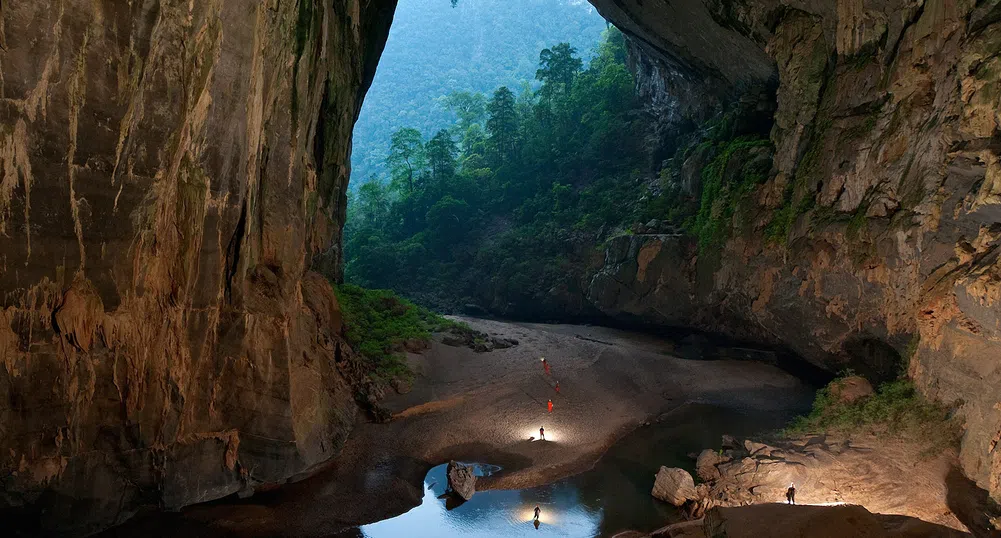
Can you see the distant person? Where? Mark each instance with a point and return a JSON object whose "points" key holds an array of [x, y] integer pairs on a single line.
{"points": [[557, 387], [550, 405], [791, 494], [537, 512], [545, 365], [542, 433]]}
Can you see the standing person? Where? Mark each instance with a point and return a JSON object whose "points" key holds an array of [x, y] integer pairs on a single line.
{"points": [[537, 512], [791, 494], [545, 365], [550, 405], [542, 433], [557, 387]]}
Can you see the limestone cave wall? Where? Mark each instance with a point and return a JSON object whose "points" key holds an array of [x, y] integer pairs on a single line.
{"points": [[875, 240], [172, 173]]}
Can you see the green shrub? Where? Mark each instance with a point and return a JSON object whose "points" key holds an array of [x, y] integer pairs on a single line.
{"points": [[720, 197], [896, 408], [377, 323]]}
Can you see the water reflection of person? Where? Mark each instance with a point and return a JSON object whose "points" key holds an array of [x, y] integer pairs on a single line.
{"points": [[536, 524]]}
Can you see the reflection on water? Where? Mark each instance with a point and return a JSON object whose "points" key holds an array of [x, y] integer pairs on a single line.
{"points": [[492, 513], [612, 497]]}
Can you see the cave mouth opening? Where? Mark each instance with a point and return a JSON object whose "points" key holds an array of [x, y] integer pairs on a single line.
{"points": [[485, 122]]}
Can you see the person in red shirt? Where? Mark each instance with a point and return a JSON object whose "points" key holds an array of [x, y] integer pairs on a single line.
{"points": [[545, 365], [557, 387], [550, 406]]}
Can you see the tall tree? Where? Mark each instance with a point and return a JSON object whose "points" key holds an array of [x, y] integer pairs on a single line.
{"points": [[441, 152], [503, 122], [558, 67], [469, 107], [406, 155]]}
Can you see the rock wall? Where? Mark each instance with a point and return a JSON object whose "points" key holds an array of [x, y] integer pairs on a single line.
{"points": [[169, 173], [875, 239]]}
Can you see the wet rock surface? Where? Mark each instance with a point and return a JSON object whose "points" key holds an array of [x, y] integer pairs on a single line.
{"points": [[461, 479]]}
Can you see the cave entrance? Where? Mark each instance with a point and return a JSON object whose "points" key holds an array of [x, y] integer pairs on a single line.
{"points": [[485, 122]]}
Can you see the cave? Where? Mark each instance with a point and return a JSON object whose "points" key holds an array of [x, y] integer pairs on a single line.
{"points": [[174, 192]]}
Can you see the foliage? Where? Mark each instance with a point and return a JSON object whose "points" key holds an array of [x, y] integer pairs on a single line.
{"points": [[435, 51], [495, 213], [720, 198], [378, 323], [896, 408]]}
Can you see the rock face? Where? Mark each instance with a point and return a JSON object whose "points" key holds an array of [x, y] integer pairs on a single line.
{"points": [[874, 242], [851, 389], [461, 479], [169, 172], [674, 486], [887, 476]]}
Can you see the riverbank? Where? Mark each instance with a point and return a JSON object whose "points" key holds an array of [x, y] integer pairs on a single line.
{"points": [[488, 407]]}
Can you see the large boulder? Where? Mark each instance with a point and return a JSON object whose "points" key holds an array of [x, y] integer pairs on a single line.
{"points": [[674, 486], [850, 389], [705, 465], [461, 479]]}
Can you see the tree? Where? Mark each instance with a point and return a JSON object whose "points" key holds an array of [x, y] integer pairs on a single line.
{"points": [[503, 122], [372, 202], [406, 155], [470, 107], [441, 152], [558, 67]]}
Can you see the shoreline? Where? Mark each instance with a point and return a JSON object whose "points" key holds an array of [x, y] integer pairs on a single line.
{"points": [[484, 407]]}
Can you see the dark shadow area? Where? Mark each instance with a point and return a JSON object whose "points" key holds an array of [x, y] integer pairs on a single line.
{"points": [[972, 505], [873, 359]]}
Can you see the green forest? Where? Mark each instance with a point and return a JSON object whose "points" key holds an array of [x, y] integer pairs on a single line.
{"points": [[435, 49], [498, 200], [506, 205]]}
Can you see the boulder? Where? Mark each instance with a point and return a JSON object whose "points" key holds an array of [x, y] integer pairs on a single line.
{"points": [[757, 449], [850, 389], [674, 486], [705, 465], [461, 479]]}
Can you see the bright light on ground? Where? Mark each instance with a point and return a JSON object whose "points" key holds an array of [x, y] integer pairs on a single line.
{"points": [[533, 433]]}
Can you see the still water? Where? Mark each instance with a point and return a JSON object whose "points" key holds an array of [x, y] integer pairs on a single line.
{"points": [[612, 497]]}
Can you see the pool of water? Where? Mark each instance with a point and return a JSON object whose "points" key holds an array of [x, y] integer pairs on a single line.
{"points": [[612, 497]]}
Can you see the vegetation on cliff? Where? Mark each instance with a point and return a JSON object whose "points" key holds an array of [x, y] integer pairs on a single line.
{"points": [[895, 408], [380, 326]]}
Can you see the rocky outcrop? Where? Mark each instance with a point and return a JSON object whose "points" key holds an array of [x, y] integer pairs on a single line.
{"points": [[815, 521], [874, 242], [169, 173], [461, 479]]}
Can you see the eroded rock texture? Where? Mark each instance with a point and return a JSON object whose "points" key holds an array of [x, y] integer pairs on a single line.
{"points": [[169, 173], [875, 239]]}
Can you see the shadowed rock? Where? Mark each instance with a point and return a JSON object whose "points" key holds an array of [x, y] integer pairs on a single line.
{"points": [[461, 479]]}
